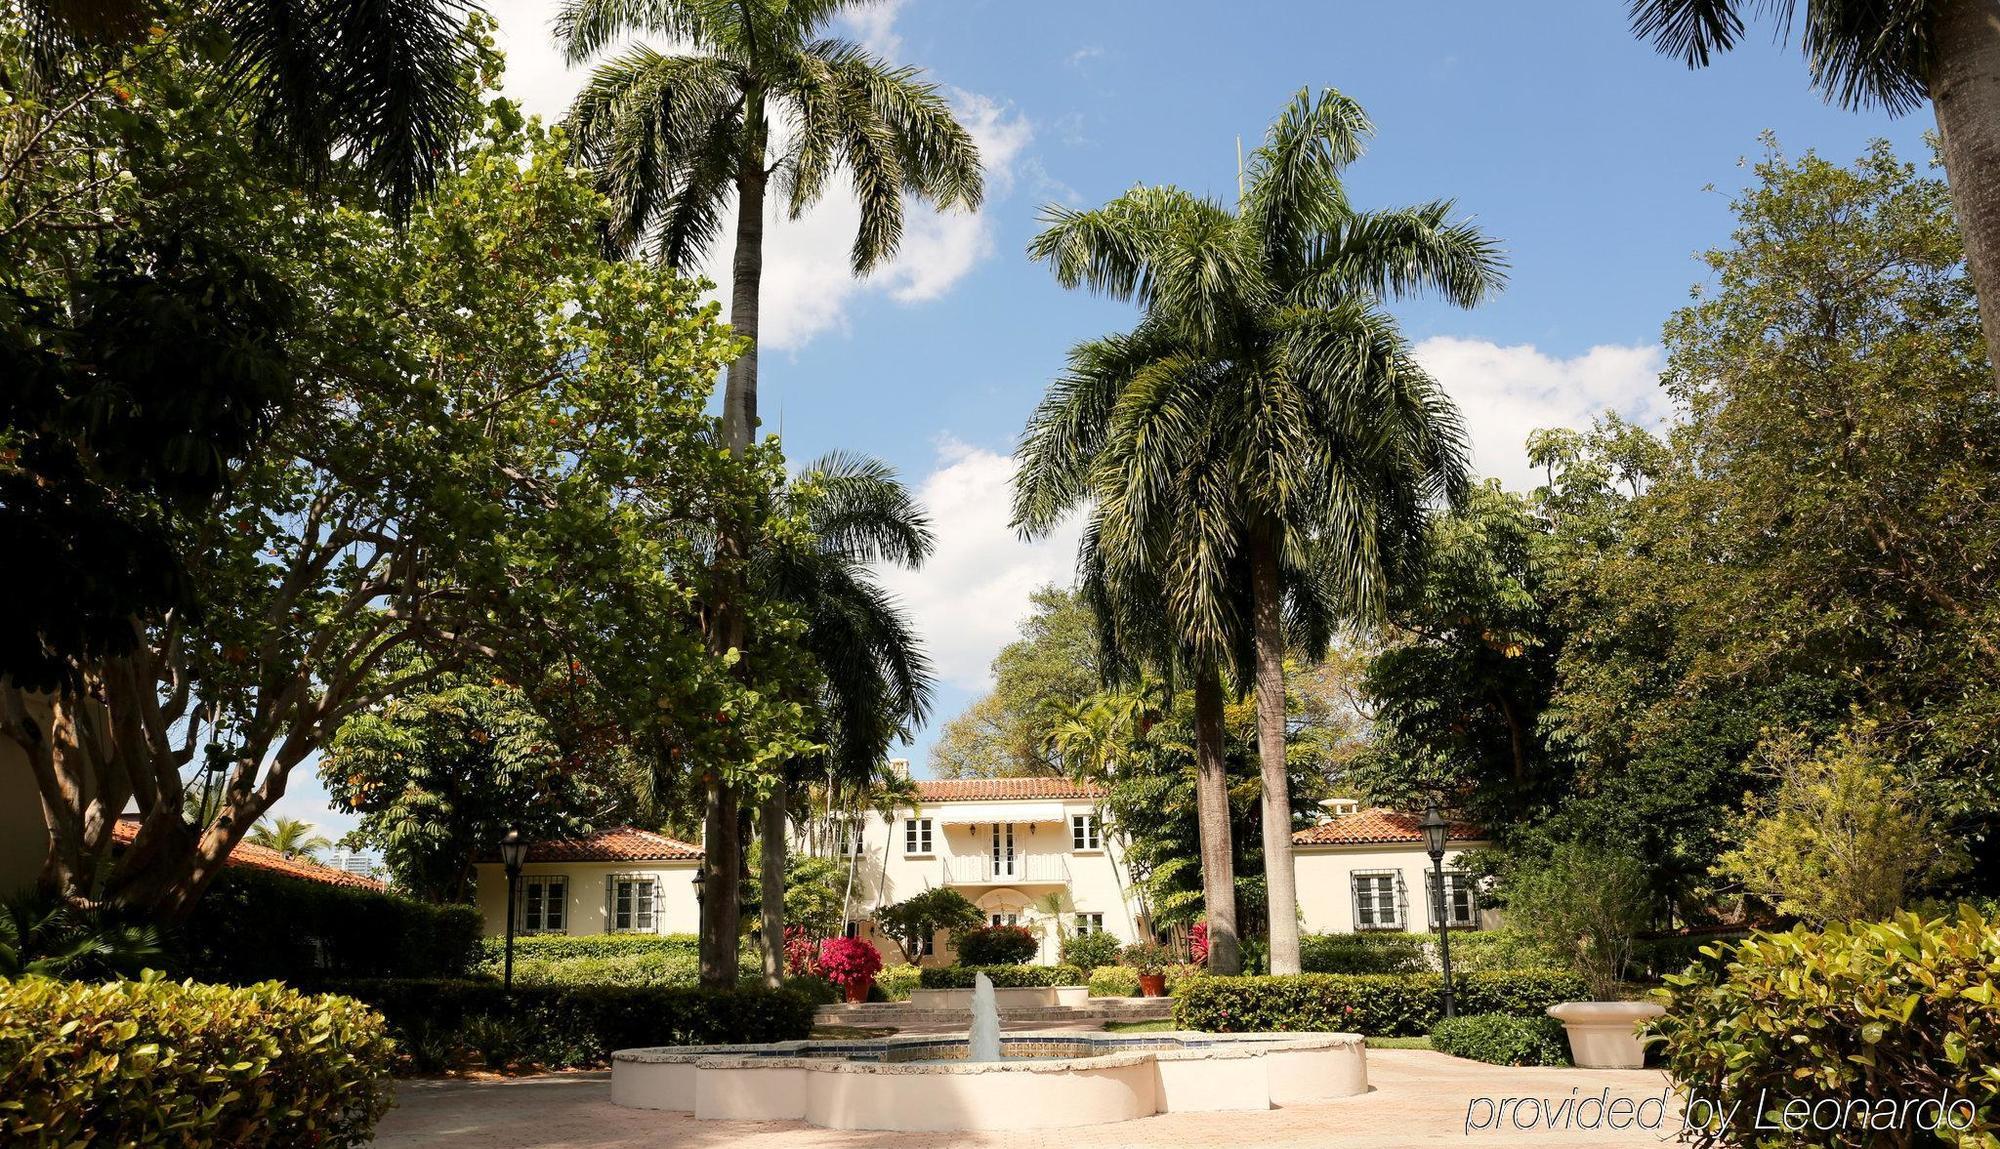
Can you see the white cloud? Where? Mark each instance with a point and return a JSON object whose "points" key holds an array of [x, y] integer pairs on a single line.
{"points": [[1505, 393], [1084, 55], [808, 286], [969, 600]]}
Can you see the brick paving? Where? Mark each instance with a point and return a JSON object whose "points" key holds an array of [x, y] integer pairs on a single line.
{"points": [[1418, 1099]]}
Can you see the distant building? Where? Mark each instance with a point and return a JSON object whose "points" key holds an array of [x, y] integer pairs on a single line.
{"points": [[363, 862], [1365, 870]]}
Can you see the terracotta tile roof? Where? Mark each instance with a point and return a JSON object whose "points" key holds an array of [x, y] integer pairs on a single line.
{"points": [[618, 844], [1376, 826], [1001, 789], [263, 858]]}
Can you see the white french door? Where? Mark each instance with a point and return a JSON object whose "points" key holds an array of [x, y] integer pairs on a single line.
{"points": [[1004, 863]]}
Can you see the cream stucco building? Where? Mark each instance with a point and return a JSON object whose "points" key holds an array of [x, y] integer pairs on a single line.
{"points": [[1361, 870]]}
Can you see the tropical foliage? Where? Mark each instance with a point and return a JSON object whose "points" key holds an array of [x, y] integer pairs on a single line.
{"points": [[292, 837]]}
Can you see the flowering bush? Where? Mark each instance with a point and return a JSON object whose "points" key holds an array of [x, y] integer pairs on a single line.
{"points": [[848, 961], [1198, 944], [801, 959]]}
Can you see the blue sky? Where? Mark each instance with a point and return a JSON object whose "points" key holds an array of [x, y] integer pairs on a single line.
{"points": [[1601, 167]]}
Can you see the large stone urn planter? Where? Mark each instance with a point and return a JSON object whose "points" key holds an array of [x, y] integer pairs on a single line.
{"points": [[1605, 1034]]}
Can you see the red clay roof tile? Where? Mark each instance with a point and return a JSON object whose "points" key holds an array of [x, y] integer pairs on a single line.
{"points": [[262, 858], [1376, 826], [618, 844], [1001, 789]]}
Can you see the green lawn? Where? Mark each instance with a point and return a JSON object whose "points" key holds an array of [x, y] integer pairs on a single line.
{"points": [[1399, 1043]]}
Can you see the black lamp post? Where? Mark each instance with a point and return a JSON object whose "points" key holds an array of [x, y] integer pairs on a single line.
{"points": [[513, 851], [700, 907], [1436, 832]]}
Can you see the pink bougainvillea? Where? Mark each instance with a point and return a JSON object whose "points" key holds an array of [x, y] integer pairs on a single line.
{"points": [[848, 961], [801, 955], [1198, 943]]}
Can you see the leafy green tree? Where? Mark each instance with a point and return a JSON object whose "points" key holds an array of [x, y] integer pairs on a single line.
{"points": [[439, 775], [1895, 56], [1262, 442], [671, 137], [921, 917], [1053, 665], [1840, 838], [292, 837], [1586, 901]]}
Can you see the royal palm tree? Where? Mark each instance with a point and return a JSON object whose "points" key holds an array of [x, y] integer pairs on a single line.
{"points": [[674, 136], [876, 682], [1895, 55], [1262, 442], [292, 837], [379, 84]]}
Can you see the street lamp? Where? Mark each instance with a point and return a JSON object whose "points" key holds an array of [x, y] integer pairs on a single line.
{"points": [[513, 851], [1436, 832]]}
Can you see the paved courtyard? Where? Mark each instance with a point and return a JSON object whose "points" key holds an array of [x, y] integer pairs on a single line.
{"points": [[1418, 1098]]}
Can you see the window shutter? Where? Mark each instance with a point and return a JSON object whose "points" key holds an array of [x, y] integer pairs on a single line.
{"points": [[1402, 902], [1354, 887]]}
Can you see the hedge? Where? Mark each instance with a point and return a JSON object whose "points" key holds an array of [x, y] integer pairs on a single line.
{"points": [[1378, 1005], [1876, 1014], [1500, 1039], [1002, 976], [565, 947], [155, 1063], [567, 1027], [1114, 981], [1471, 950], [895, 982], [254, 925], [1090, 951]]}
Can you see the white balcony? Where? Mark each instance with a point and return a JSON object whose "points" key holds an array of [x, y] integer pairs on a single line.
{"points": [[1021, 869]]}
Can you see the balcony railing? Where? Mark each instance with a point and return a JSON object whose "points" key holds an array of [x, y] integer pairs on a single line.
{"points": [[979, 870]]}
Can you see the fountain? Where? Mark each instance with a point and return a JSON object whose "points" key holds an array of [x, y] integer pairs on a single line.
{"points": [[984, 1038]]}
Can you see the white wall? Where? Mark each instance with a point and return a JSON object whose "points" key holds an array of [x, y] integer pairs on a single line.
{"points": [[1326, 885], [588, 913], [885, 873]]}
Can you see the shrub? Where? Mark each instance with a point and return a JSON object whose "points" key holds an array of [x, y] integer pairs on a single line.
{"points": [[897, 981], [1364, 953], [1378, 1005], [1114, 981], [920, 917], [1088, 951], [1002, 976], [565, 947], [814, 988], [499, 1041], [154, 1063], [848, 961], [1502, 1039], [1147, 957], [1872, 1013], [996, 945], [636, 969], [564, 1027], [253, 926], [1588, 903]]}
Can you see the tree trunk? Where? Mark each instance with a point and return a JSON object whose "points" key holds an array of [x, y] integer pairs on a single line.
{"points": [[1965, 94], [722, 903], [1218, 859], [771, 886], [1269, 633], [721, 862]]}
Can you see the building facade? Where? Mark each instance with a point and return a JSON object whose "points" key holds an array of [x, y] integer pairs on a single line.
{"points": [[622, 880], [1367, 870]]}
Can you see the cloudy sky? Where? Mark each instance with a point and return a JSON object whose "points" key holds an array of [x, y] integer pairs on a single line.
{"points": [[1601, 167]]}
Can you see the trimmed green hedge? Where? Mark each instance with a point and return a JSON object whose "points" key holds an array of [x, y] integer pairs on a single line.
{"points": [[564, 947], [1377, 1005], [1002, 976], [137, 1063], [566, 1027], [253, 925], [658, 960], [895, 982], [1873, 1013], [1471, 950], [1090, 951], [1501, 1039], [1114, 981]]}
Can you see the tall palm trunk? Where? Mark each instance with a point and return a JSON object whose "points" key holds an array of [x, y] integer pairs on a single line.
{"points": [[1211, 791], [721, 895], [771, 883], [1269, 634], [1965, 94]]}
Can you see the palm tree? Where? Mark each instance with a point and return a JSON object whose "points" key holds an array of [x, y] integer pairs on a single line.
{"points": [[1864, 53], [673, 136], [1262, 444], [292, 837], [876, 680], [377, 83]]}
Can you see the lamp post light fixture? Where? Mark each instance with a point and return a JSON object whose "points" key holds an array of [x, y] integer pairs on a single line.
{"points": [[1436, 832], [513, 852]]}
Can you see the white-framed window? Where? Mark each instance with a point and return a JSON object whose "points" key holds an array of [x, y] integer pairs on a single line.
{"points": [[543, 905], [1083, 832], [1087, 924], [634, 902], [1379, 902], [1005, 919], [1461, 899], [852, 929], [916, 835]]}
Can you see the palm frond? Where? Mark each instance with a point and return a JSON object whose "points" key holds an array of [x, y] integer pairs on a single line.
{"points": [[1402, 252], [1693, 30]]}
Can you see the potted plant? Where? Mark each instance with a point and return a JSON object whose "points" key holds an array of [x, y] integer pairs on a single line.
{"points": [[1590, 902], [1149, 960], [851, 964]]}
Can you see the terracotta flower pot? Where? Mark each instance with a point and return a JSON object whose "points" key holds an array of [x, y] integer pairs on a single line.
{"points": [[857, 991], [1152, 985]]}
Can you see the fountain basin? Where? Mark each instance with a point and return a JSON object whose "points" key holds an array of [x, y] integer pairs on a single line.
{"points": [[1045, 1080]]}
